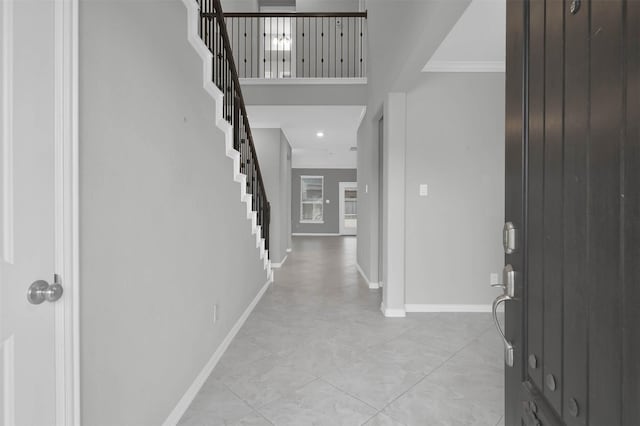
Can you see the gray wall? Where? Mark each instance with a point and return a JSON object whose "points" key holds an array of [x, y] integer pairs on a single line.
{"points": [[392, 67], [239, 5], [455, 144], [164, 235], [305, 94], [327, 5], [274, 155], [332, 178]]}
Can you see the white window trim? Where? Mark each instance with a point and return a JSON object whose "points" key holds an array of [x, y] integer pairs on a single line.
{"points": [[302, 201]]}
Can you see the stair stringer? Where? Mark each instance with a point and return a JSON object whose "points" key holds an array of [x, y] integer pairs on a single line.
{"points": [[205, 54]]}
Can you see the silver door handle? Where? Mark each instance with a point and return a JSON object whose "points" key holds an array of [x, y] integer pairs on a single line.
{"points": [[508, 347], [40, 290]]}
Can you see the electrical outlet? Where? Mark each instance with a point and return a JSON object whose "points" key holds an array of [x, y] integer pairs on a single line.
{"points": [[493, 278], [215, 313]]}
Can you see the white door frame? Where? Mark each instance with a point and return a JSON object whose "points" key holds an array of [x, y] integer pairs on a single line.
{"points": [[65, 210], [67, 319], [342, 186]]}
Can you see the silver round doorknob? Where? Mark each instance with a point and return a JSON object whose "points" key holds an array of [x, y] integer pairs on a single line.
{"points": [[41, 290]]}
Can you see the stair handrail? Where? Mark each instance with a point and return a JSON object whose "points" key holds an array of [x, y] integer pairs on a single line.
{"points": [[296, 14], [234, 109]]}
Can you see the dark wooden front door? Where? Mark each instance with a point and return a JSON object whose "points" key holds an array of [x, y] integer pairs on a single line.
{"points": [[573, 196]]}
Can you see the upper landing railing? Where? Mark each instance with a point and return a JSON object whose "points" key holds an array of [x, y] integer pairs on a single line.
{"points": [[215, 36], [298, 45]]}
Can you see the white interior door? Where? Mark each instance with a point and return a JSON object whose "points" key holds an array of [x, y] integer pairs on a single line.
{"points": [[348, 208], [27, 331]]}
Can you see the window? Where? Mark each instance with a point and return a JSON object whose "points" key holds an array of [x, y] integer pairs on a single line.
{"points": [[311, 199]]}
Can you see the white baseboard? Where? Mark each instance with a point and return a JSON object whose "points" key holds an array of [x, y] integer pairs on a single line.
{"points": [[371, 285], [446, 308], [279, 265], [313, 234], [182, 406], [392, 313]]}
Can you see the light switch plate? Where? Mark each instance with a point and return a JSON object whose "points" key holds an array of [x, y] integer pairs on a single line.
{"points": [[424, 189]]}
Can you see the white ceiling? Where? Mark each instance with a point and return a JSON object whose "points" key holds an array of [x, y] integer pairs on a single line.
{"points": [[476, 42], [301, 123]]}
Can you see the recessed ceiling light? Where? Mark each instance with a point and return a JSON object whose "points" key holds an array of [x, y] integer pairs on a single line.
{"points": [[320, 134]]}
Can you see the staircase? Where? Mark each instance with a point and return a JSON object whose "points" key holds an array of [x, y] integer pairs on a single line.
{"points": [[208, 35]]}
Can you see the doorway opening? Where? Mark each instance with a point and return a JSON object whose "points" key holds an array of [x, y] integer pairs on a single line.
{"points": [[348, 208]]}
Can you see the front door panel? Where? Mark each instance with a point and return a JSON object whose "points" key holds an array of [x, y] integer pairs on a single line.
{"points": [[573, 322]]}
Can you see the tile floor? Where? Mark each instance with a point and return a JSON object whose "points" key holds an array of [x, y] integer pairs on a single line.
{"points": [[317, 351]]}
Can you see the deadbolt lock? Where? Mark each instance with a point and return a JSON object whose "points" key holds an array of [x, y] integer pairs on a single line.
{"points": [[509, 238]]}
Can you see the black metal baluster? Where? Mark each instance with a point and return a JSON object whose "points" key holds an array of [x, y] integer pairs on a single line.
{"points": [[253, 186], [218, 81], [225, 90], [348, 45], [201, 20], [243, 141], [309, 54], [322, 47], [361, 52], [335, 48], [220, 58], [224, 84], [252, 38], [290, 47], [249, 176], [270, 47], [341, 46], [231, 96], [236, 125], [206, 10], [258, 209]]}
